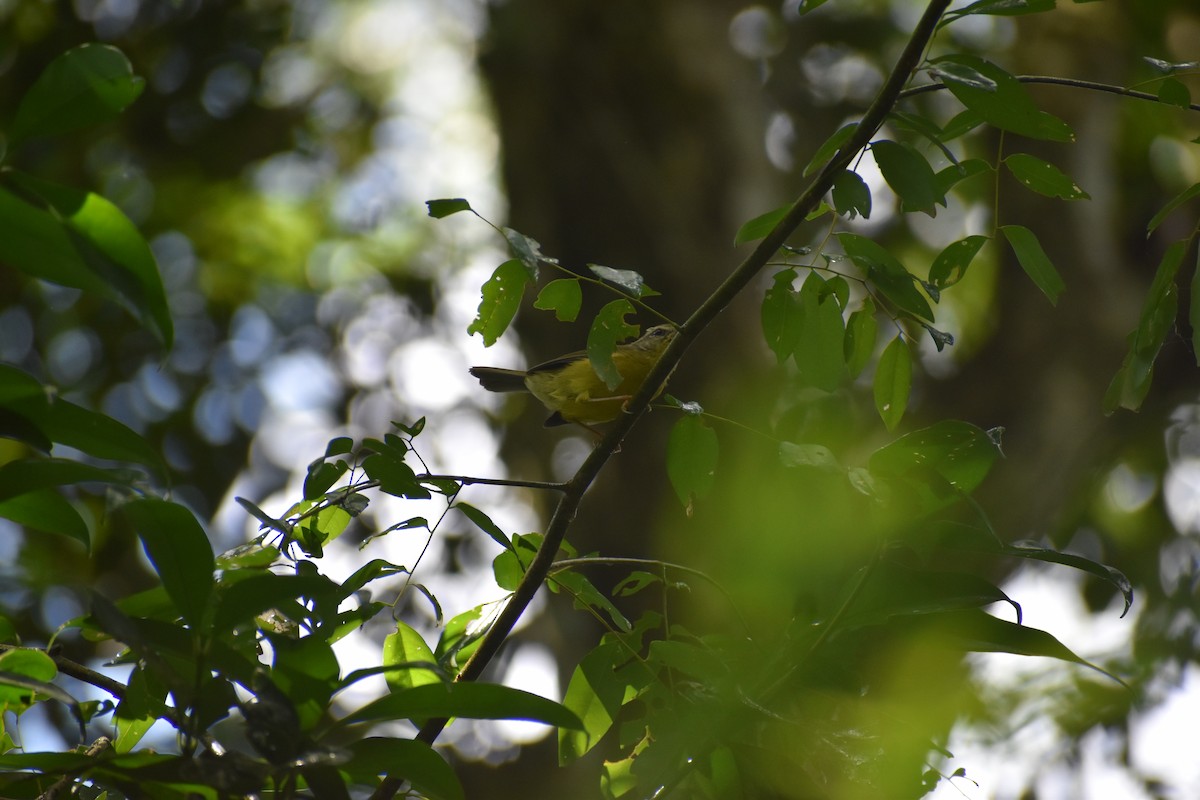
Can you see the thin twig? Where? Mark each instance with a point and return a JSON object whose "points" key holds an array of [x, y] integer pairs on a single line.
{"points": [[1074, 83]]}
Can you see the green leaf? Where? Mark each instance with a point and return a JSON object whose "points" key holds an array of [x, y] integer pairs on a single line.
{"points": [[893, 380], [141, 707], [587, 596], [851, 195], [180, 552], [760, 226], [415, 762], [253, 595], [894, 590], [395, 477], [1176, 202], [830, 146], [1034, 260], [691, 459], [594, 694], [1002, 8], [781, 316], [108, 244], [406, 646], [1043, 177], [979, 631], [950, 72], [819, 352], [82, 87], [1132, 382], [909, 175], [1033, 551], [461, 637], [628, 280], [951, 176], [485, 524], [501, 298], [1174, 92], [563, 296], [23, 662], [1194, 311], [887, 274], [321, 475], [861, 332], [527, 251], [608, 328], [816, 456], [466, 700], [46, 510], [1008, 106], [959, 452], [445, 207], [951, 264]]}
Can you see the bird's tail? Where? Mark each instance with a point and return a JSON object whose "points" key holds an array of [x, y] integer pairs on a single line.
{"points": [[495, 379]]}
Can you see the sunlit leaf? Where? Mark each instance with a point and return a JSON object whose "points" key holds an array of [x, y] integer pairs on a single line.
{"points": [[587, 596], [595, 694], [460, 637], [1034, 261], [563, 296], [140, 707], [893, 381], [87, 85], [502, 295], [406, 646]]}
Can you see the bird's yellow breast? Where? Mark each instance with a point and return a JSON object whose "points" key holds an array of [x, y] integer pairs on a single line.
{"points": [[578, 394]]}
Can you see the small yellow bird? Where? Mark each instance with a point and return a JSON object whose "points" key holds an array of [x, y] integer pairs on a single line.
{"points": [[570, 387]]}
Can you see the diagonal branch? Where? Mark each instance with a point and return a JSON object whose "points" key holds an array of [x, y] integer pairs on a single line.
{"points": [[704, 315]]}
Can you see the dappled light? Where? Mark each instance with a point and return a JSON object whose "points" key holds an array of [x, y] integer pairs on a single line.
{"points": [[548, 398]]}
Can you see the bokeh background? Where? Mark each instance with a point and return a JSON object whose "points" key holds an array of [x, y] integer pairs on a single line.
{"points": [[279, 161]]}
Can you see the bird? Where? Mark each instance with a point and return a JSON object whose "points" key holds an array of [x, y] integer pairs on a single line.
{"points": [[570, 388]]}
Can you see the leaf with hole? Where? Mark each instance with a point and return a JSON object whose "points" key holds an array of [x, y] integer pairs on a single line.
{"points": [[501, 297]]}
